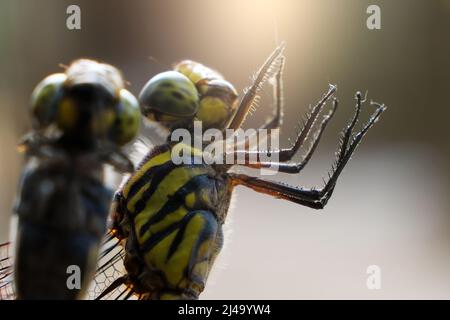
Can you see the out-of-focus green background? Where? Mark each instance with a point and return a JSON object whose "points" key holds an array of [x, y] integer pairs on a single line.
{"points": [[391, 205]]}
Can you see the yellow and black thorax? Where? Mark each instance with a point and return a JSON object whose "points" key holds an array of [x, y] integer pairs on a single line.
{"points": [[160, 194]]}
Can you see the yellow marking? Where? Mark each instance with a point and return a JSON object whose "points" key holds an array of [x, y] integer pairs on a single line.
{"points": [[190, 200], [167, 187], [156, 257], [175, 266], [156, 161], [181, 149], [131, 203], [168, 220], [152, 162]]}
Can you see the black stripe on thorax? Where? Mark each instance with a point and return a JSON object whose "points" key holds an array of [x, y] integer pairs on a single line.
{"points": [[153, 153], [145, 178], [156, 179], [154, 239], [177, 200]]}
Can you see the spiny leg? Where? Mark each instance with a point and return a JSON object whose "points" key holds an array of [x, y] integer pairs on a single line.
{"points": [[286, 154], [316, 199], [298, 166], [277, 118], [345, 153], [249, 97], [346, 134]]}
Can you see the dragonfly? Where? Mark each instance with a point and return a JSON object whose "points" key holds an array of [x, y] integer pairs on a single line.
{"points": [[168, 218], [80, 119]]}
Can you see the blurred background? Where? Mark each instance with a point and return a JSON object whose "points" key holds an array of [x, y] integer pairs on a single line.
{"points": [[391, 205]]}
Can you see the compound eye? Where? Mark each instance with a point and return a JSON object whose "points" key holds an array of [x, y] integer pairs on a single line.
{"points": [[170, 93], [196, 71], [128, 118], [219, 100], [44, 100]]}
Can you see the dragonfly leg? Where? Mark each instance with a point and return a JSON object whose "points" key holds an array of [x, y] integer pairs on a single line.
{"points": [[313, 198]]}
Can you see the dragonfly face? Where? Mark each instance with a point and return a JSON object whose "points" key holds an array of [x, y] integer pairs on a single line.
{"points": [[86, 103]]}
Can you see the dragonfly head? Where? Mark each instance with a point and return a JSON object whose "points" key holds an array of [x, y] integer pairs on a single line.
{"points": [[191, 92], [87, 101]]}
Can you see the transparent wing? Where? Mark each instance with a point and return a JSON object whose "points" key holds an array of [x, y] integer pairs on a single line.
{"points": [[6, 272], [107, 283]]}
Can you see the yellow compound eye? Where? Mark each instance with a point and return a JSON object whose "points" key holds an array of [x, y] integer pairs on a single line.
{"points": [[44, 100], [170, 93], [128, 118], [196, 71], [213, 112], [219, 100]]}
